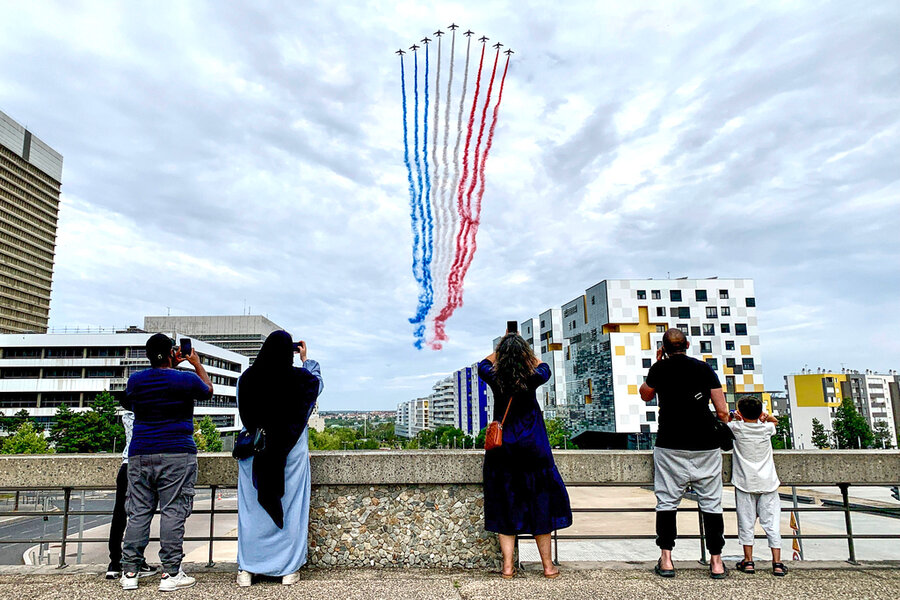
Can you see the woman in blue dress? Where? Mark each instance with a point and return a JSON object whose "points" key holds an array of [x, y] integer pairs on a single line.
{"points": [[274, 485], [523, 491]]}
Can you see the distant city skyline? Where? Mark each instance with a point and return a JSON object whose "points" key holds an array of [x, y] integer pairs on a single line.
{"points": [[222, 159]]}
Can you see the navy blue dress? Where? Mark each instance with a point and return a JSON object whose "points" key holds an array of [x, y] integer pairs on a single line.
{"points": [[523, 491]]}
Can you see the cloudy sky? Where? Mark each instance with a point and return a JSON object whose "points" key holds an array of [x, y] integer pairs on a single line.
{"points": [[222, 155]]}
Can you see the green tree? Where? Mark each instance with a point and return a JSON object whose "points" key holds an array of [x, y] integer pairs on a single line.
{"points": [[559, 434], [426, 439], [13, 422], [851, 428], [324, 440], [819, 437], [26, 440], [206, 436], [479, 439], [95, 430], [782, 438], [882, 435]]}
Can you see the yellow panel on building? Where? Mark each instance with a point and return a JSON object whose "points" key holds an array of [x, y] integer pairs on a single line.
{"points": [[745, 350], [739, 388], [748, 379], [810, 389], [620, 350], [632, 389], [758, 387]]}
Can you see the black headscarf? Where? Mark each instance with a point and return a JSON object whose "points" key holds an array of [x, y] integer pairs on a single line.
{"points": [[278, 397]]}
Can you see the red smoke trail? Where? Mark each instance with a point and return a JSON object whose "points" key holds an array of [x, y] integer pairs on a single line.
{"points": [[487, 148], [462, 208]]}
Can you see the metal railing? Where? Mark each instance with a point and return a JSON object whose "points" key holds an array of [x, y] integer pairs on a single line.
{"points": [[844, 506]]}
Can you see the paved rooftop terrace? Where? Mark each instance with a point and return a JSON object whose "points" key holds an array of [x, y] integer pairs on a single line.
{"points": [[807, 581]]}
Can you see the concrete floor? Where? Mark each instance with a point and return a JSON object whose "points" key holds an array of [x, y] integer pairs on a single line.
{"points": [[579, 580]]}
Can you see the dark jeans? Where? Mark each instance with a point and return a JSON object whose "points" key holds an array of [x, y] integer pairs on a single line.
{"points": [[166, 480], [119, 519], [667, 530]]}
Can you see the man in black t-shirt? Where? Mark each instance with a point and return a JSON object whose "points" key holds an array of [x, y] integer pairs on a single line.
{"points": [[687, 451]]}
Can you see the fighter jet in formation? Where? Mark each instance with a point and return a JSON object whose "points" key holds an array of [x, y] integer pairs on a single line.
{"points": [[508, 52], [413, 47], [425, 40], [438, 33], [469, 33], [453, 26], [400, 52], [483, 39], [497, 45]]}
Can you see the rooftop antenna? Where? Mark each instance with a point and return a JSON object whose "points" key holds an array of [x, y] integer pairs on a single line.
{"points": [[168, 312]]}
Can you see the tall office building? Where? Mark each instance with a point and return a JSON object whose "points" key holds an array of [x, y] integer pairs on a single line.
{"points": [[601, 344], [30, 180], [243, 334], [818, 396], [40, 372]]}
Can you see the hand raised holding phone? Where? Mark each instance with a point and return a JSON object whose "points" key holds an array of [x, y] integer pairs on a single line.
{"points": [[300, 347]]}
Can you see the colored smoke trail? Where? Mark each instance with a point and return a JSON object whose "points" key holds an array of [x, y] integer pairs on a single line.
{"points": [[409, 174], [420, 237], [453, 281], [480, 194]]}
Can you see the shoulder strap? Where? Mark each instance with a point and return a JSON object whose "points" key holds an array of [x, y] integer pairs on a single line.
{"points": [[506, 413]]}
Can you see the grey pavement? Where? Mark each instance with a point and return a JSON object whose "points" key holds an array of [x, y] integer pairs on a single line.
{"points": [[821, 581]]}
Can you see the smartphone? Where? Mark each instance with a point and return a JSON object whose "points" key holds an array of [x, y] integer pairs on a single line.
{"points": [[296, 346], [512, 327], [186, 347]]}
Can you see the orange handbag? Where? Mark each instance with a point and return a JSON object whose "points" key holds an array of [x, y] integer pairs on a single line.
{"points": [[493, 437]]}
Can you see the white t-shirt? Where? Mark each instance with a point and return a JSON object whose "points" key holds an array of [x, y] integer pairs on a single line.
{"points": [[753, 470], [128, 424]]}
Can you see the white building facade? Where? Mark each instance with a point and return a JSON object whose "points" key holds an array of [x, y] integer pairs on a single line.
{"points": [[40, 372]]}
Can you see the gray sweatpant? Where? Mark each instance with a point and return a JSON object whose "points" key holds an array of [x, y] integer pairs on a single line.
{"points": [[675, 470], [163, 479]]}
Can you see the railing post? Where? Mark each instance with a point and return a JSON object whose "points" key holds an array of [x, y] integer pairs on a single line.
{"points": [[518, 555], [67, 496], [702, 533], [556, 547], [846, 498], [212, 521]]}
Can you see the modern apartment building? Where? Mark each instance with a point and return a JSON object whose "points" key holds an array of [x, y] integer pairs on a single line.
{"points": [[243, 334], [30, 181], [412, 417], [39, 372], [606, 340], [818, 396], [443, 403]]}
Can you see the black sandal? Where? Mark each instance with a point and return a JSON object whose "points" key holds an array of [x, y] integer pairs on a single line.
{"points": [[778, 565], [746, 566], [667, 573], [721, 575]]}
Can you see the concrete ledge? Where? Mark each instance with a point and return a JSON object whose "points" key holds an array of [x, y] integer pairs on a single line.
{"points": [[442, 467]]}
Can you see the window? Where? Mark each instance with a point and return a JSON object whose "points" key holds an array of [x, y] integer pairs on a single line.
{"points": [[684, 312], [747, 364], [646, 362], [660, 311], [726, 328], [711, 312], [651, 416], [729, 384], [22, 353], [645, 428], [695, 331], [65, 353], [542, 324], [723, 294], [700, 295], [729, 362], [62, 373], [642, 295], [660, 329], [573, 325], [705, 346], [726, 311], [100, 352], [684, 328], [709, 329], [655, 294], [713, 363], [675, 295], [729, 344], [673, 312], [543, 349], [751, 302], [740, 329]]}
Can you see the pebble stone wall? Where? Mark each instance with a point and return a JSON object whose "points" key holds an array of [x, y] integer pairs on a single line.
{"points": [[400, 526]]}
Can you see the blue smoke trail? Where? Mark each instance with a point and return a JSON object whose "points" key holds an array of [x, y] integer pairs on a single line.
{"points": [[409, 174], [419, 218]]}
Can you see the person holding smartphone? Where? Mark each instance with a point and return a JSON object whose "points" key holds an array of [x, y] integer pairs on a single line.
{"points": [[162, 459]]}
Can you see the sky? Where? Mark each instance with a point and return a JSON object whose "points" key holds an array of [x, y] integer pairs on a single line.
{"points": [[222, 157]]}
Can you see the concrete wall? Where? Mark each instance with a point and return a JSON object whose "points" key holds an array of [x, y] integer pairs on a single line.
{"points": [[425, 508]]}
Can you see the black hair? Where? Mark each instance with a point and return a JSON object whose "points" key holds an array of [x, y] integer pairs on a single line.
{"points": [[159, 349], [515, 363], [674, 341], [750, 407]]}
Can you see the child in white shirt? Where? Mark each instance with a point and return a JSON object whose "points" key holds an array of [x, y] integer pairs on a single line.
{"points": [[755, 481]]}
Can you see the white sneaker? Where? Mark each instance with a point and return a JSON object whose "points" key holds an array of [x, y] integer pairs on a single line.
{"points": [[170, 583], [244, 578], [129, 581], [291, 578]]}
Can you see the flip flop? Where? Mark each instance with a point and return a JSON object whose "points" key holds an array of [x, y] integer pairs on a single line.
{"points": [[552, 575], [508, 575], [746, 566], [721, 575], [667, 573]]}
